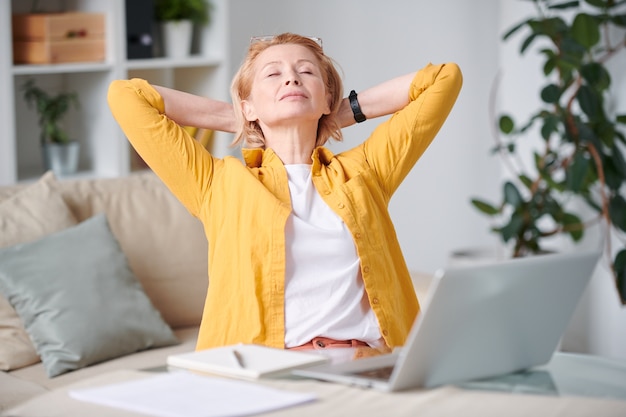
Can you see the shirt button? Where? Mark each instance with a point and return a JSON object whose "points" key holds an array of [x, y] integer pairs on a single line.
{"points": [[385, 332], [375, 301], [357, 235], [340, 205], [366, 269], [327, 192]]}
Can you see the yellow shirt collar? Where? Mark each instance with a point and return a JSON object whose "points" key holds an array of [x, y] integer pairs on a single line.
{"points": [[258, 157]]}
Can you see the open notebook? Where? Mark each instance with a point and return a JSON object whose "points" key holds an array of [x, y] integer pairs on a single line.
{"points": [[244, 361]]}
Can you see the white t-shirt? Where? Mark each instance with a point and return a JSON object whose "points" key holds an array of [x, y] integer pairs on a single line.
{"points": [[324, 292]]}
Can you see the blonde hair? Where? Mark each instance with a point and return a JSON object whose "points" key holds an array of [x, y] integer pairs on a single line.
{"points": [[250, 133]]}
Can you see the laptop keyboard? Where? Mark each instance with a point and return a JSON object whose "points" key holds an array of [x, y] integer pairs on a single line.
{"points": [[382, 374]]}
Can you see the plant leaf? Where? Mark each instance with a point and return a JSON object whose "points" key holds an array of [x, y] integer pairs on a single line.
{"points": [[596, 75], [552, 27], [506, 124], [566, 5], [527, 42], [617, 210], [511, 195], [597, 3], [513, 228], [551, 93], [618, 160], [612, 175], [549, 66], [574, 226], [515, 29], [577, 171], [619, 20], [526, 181], [485, 207], [550, 125], [589, 102], [586, 30]]}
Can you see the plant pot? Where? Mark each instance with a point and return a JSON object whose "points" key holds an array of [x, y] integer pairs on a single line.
{"points": [[177, 36], [61, 158]]}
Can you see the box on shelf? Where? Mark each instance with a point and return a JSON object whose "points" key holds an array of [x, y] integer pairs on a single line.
{"points": [[52, 38]]}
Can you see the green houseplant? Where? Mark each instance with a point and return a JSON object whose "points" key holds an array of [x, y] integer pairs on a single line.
{"points": [[60, 153], [198, 11], [177, 18], [582, 140]]}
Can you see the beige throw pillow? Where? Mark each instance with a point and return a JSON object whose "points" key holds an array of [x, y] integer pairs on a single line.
{"points": [[165, 245], [34, 212]]}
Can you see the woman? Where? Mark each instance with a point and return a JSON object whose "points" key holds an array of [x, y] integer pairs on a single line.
{"points": [[302, 250]]}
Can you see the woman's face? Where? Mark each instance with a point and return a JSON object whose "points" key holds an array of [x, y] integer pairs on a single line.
{"points": [[287, 87]]}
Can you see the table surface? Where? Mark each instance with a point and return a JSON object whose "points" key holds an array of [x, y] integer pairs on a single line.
{"points": [[570, 385], [566, 374]]}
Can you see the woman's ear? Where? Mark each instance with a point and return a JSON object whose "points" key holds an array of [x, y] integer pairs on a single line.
{"points": [[248, 111], [329, 99]]}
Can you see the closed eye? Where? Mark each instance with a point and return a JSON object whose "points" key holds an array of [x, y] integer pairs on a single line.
{"points": [[305, 70]]}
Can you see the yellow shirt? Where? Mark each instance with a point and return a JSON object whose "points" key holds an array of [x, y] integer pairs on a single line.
{"points": [[244, 208]]}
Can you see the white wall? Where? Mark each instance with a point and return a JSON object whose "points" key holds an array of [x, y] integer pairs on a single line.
{"points": [[375, 40]]}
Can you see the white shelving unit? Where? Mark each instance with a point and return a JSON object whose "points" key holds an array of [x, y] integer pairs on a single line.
{"points": [[105, 152]]}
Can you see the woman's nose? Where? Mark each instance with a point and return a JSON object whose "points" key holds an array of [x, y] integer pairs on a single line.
{"points": [[293, 79]]}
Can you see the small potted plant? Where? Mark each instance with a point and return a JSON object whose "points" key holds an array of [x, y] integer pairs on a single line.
{"points": [[60, 153], [177, 18]]}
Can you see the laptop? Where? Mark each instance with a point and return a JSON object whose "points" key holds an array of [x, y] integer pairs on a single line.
{"points": [[478, 322]]}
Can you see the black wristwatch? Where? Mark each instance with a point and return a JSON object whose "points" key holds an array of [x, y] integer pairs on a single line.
{"points": [[356, 108]]}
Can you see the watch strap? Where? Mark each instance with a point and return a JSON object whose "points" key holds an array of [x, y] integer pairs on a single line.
{"points": [[356, 108]]}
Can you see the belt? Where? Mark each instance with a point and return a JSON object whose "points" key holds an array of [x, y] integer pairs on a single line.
{"points": [[325, 343]]}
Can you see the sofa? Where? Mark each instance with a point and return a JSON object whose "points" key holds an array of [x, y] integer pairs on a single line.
{"points": [[163, 258]]}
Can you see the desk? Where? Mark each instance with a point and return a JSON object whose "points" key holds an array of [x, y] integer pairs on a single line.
{"points": [[566, 375], [570, 385]]}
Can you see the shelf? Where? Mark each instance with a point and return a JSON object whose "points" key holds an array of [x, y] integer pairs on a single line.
{"points": [[152, 63], [105, 151], [158, 63], [72, 68]]}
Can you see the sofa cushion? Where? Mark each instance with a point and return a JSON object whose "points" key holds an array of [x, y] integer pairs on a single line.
{"points": [[78, 299], [33, 212], [165, 245]]}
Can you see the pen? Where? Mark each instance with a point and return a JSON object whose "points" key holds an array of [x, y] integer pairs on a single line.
{"points": [[238, 358]]}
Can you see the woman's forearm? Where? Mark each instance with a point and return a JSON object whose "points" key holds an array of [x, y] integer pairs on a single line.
{"points": [[192, 110], [381, 100]]}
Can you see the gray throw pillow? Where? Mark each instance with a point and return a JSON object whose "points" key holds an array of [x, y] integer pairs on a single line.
{"points": [[79, 301]]}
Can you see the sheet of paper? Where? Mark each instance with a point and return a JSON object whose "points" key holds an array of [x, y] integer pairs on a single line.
{"points": [[182, 394]]}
